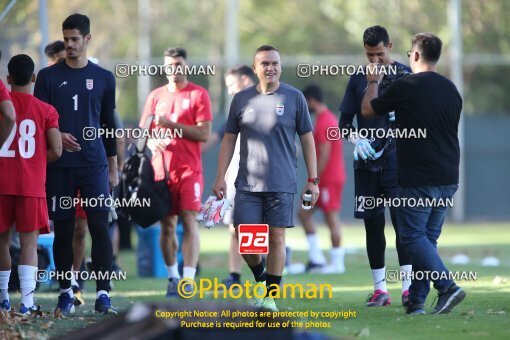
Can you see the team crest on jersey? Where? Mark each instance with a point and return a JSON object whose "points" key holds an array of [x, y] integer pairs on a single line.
{"points": [[280, 109], [185, 103], [90, 84]]}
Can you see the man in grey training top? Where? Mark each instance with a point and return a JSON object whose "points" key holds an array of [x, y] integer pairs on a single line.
{"points": [[267, 116]]}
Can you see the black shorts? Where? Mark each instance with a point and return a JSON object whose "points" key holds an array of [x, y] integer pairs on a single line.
{"points": [[369, 185], [273, 208], [62, 184]]}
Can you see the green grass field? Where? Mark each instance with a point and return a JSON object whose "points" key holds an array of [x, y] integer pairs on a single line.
{"points": [[484, 312]]}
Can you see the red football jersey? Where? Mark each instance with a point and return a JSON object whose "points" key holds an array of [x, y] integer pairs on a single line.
{"points": [[335, 169], [187, 106], [23, 155], [4, 93]]}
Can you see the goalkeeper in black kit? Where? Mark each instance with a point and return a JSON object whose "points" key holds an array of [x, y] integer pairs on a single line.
{"points": [[375, 162]]}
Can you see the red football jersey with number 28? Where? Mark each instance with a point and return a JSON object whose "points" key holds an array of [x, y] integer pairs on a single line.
{"points": [[23, 155]]}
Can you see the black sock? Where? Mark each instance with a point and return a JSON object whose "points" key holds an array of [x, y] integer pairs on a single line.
{"points": [[102, 252], [63, 250], [272, 280], [235, 276], [375, 241], [258, 272]]}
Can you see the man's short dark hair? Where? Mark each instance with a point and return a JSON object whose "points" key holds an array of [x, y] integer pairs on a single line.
{"points": [[175, 52], [21, 68], [374, 35], [264, 48], [54, 48], [79, 22], [428, 45], [313, 92], [242, 70]]}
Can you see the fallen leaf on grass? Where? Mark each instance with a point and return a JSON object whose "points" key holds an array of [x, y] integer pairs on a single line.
{"points": [[4, 317], [9, 334], [91, 321], [37, 313], [35, 335], [47, 325], [492, 311]]}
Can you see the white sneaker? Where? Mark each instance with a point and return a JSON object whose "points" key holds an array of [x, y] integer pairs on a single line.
{"points": [[269, 304], [259, 287], [333, 269], [315, 268], [294, 269]]}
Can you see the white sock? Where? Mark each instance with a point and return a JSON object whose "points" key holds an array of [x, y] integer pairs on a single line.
{"points": [[74, 283], [314, 249], [379, 277], [4, 284], [189, 272], [27, 284], [68, 291], [173, 271], [337, 257], [406, 283], [101, 292]]}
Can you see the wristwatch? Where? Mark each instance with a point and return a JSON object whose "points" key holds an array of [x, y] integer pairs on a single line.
{"points": [[315, 180]]}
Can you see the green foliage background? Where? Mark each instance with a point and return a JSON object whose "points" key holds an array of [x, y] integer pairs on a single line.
{"points": [[301, 29]]}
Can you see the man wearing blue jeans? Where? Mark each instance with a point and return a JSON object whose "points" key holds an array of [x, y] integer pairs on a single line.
{"points": [[428, 168]]}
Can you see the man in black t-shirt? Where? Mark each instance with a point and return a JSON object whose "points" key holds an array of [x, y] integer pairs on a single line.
{"points": [[428, 168]]}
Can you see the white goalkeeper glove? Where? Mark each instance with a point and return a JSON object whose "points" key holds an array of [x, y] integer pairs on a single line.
{"points": [[212, 211], [362, 148], [112, 214]]}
